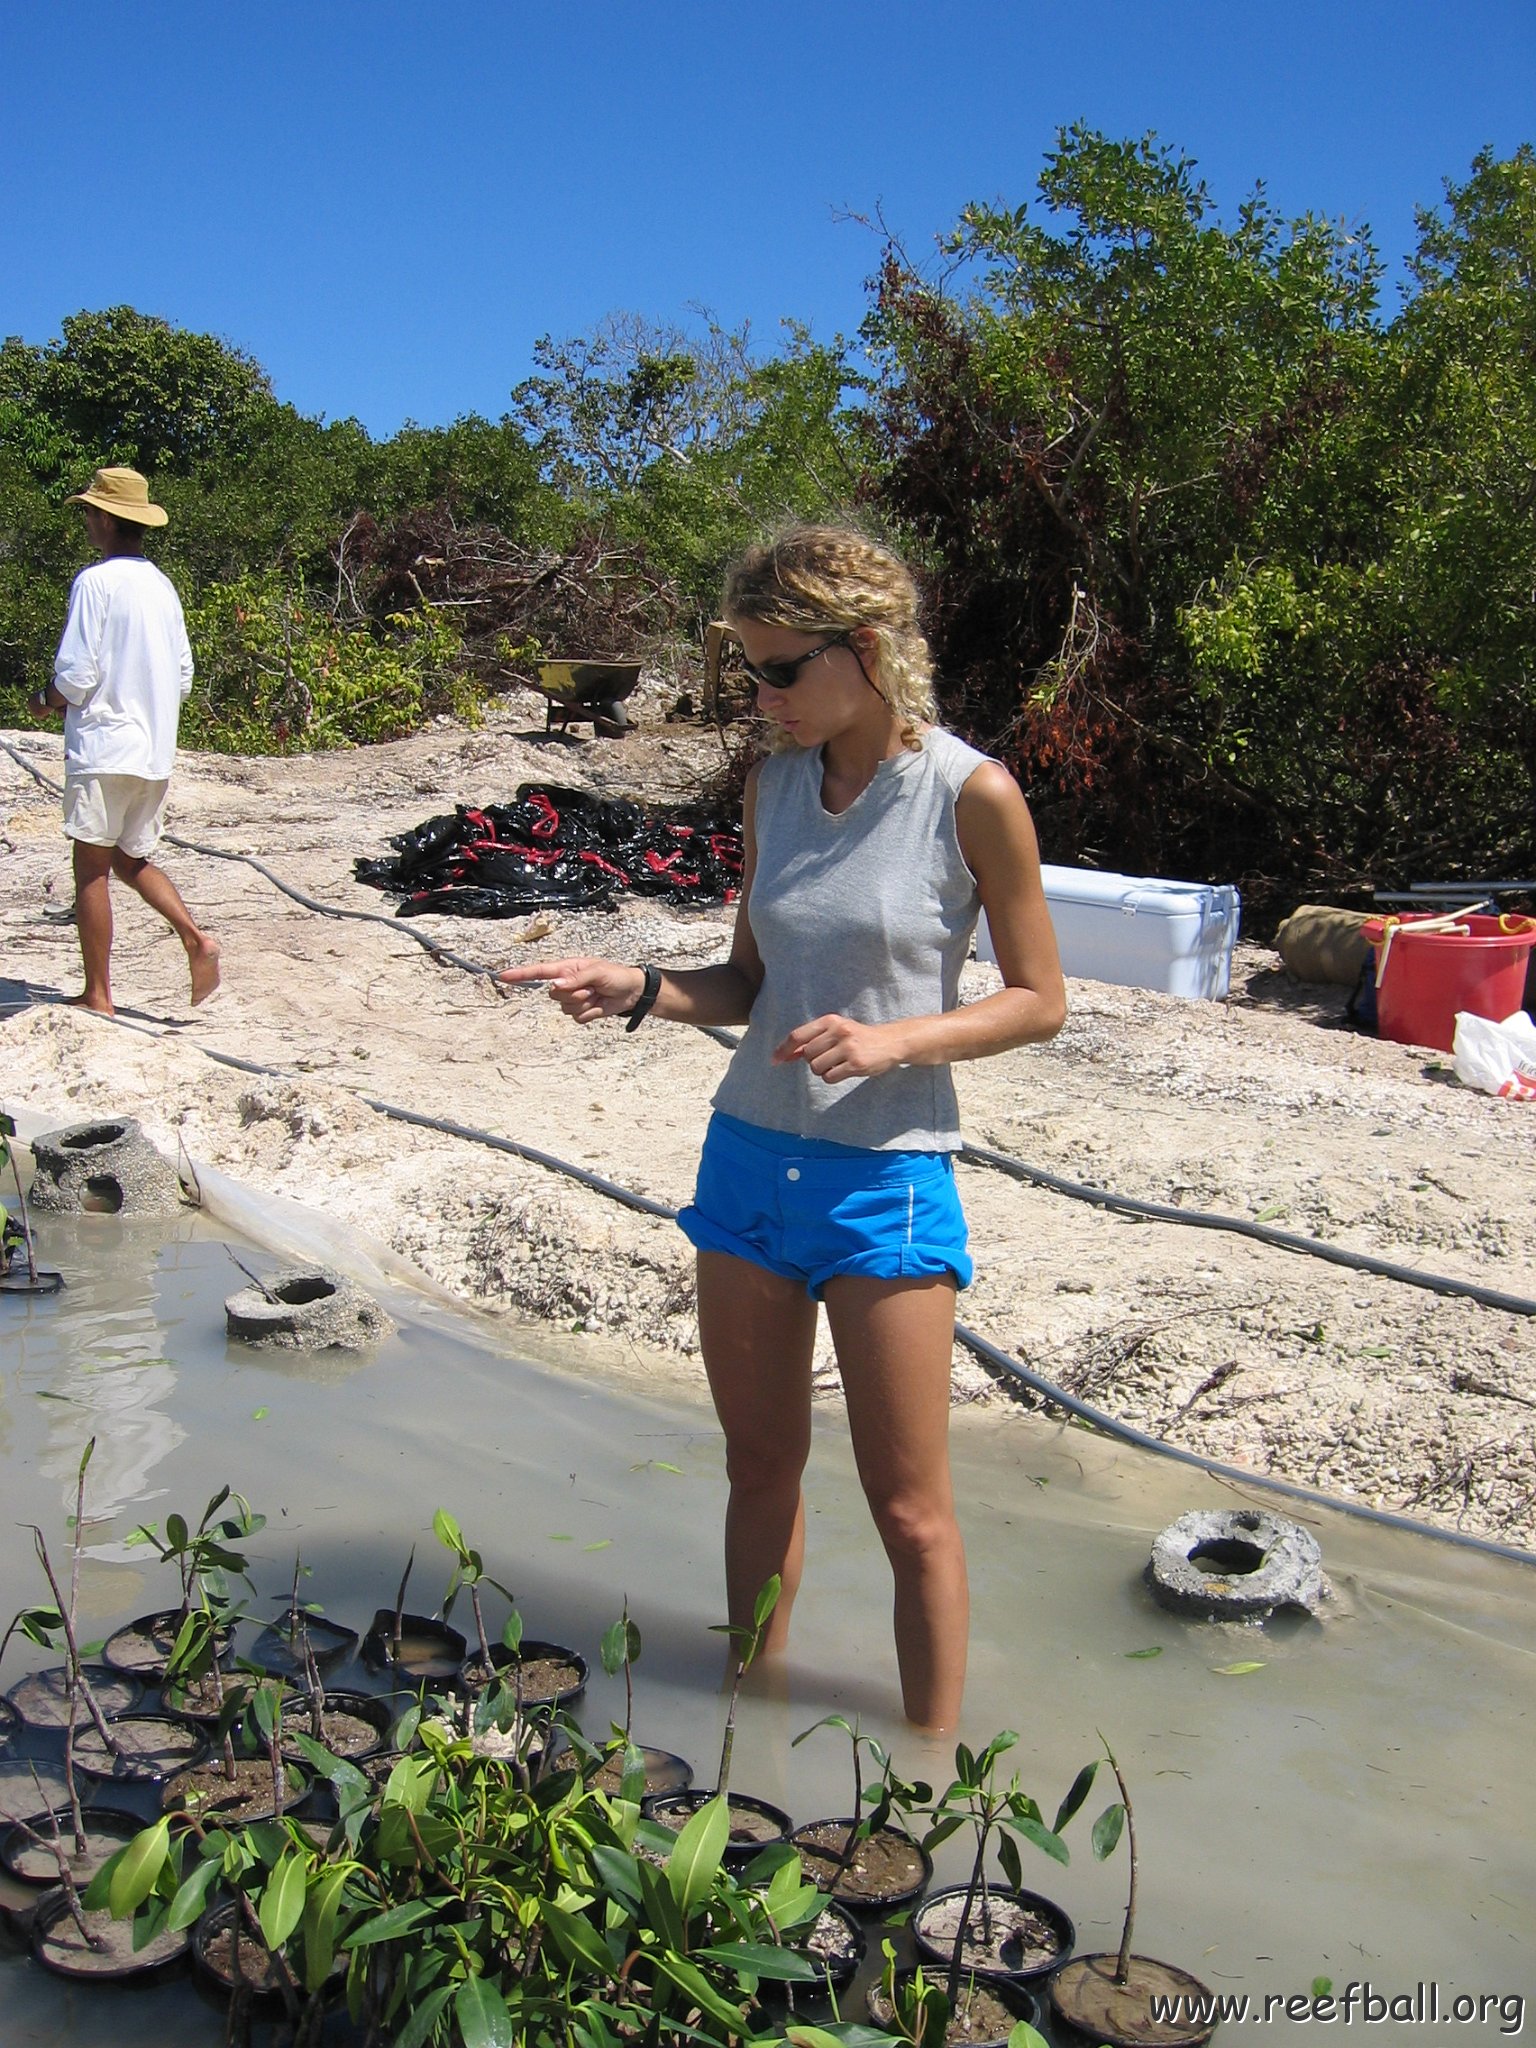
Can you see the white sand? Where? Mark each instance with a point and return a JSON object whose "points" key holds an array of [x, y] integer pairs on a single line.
{"points": [[1256, 1107]]}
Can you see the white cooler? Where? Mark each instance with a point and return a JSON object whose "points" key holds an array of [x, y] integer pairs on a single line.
{"points": [[1142, 933]]}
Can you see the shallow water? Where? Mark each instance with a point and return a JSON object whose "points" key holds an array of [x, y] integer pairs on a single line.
{"points": [[1360, 1808]]}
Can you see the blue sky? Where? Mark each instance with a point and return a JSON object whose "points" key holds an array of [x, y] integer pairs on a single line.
{"points": [[387, 205]]}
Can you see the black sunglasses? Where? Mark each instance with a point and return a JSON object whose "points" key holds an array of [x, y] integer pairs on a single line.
{"points": [[781, 675]]}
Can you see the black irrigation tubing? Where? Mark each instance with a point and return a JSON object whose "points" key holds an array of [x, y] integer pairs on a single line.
{"points": [[1284, 1240], [1242, 1475]]}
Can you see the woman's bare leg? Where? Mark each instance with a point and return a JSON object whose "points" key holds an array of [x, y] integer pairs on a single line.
{"points": [[895, 1342], [757, 1331]]}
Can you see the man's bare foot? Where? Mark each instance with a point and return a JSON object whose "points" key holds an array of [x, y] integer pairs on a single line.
{"points": [[203, 958], [89, 1003]]}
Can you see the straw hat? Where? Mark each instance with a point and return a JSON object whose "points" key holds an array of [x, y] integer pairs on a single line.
{"points": [[123, 493]]}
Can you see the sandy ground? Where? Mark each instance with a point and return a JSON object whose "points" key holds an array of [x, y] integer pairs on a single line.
{"points": [[1262, 1106]]}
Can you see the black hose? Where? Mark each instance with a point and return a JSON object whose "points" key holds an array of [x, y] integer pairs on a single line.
{"points": [[1284, 1240], [1125, 1432]]}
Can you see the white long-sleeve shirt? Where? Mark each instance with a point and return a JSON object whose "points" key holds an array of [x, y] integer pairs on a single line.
{"points": [[124, 666]]}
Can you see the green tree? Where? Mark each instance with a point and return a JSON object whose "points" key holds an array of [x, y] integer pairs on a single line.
{"points": [[122, 386], [1138, 452]]}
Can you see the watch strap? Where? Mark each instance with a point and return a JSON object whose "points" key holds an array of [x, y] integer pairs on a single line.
{"points": [[641, 1008]]}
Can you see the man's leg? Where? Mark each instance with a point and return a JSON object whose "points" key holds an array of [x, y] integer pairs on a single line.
{"points": [[162, 895], [93, 922]]}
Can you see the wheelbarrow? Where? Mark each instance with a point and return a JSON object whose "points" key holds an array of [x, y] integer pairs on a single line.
{"points": [[582, 690]]}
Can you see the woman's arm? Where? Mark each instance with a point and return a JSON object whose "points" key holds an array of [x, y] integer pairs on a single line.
{"points": [[588, 989], [997, 838]]}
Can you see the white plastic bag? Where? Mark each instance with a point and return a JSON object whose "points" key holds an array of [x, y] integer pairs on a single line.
{"points": [[1498, 1058]]}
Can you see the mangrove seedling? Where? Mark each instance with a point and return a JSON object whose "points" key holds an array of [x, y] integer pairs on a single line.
{"points": [[1115, 1999], [889, 1794], [994, 1814], [468, 1571], [748, 1641], [620, 1651], [40, 1625]]}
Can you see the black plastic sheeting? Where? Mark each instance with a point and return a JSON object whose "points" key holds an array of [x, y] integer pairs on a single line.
{"points": [[558, 849]]}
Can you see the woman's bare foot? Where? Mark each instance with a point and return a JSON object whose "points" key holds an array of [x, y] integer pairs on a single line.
{"points": [[203, 958], [89, 1003]]}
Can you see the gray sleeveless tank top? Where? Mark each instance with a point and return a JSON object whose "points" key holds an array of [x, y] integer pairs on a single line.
{"points": [[868, 914]]}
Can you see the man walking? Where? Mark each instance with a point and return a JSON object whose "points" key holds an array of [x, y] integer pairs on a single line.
{"points": [[120, 675]]}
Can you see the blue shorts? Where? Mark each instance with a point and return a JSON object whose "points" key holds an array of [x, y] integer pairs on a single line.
{"points": [[810, 1209]]}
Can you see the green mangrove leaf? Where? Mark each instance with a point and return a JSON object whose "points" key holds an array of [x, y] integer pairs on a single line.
{"points": [[191, 1897], [692, 1980], [761, 1959], [136, 1869], [321, 1909], [1026, 2036], [386, 1926], [1077, 1792], [419, 2027], [282, 1899], [692, 1864], [1238, 1670], [1153, 1650], [482, 2016], [1106, 1830], [577, 1939], [1043, 1837]]}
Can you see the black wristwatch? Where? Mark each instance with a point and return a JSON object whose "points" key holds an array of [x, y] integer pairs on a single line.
{"points": [[647, 996]]}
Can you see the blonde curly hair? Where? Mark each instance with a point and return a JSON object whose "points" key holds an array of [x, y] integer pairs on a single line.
{"points": [[810, 578]]}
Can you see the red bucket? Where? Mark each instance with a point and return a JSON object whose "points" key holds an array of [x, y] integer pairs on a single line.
{"points": [[1424, 977]]}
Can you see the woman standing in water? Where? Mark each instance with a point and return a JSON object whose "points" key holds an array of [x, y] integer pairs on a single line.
{"points": [[873, 840]]}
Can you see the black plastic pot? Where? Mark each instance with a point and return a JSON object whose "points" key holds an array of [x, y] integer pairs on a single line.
{"points": [[665, 1773], [1023, 1938], [17, 1280], [329, 1644], [219, 1920], [142, 1648], [42, 1699], [371, 1709], [28, 1785], [749, 1835], [835, 1943], [56, 1944], [1019, 2002], [106, 1829], [199, 1702], [1088, 2005], [429, 1649], [862, 1887], [552, 1675], [156, 1747], [204, 1791]]}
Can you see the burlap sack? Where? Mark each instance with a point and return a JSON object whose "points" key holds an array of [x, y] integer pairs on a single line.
{"points": [[1320, 943]]}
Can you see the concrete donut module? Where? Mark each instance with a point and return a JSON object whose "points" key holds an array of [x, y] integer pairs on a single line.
{"points": [[107, 1167], [1225, 1564], [306, 1308]]}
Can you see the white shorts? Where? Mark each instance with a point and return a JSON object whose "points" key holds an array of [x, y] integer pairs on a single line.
{"points": [[124, 811]]}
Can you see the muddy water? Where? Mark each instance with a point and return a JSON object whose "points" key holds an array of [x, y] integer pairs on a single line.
{"points": [[1360, 1807]]}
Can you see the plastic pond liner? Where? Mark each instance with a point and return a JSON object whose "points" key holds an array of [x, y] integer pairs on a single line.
{"points": [[1347, 1798]]}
